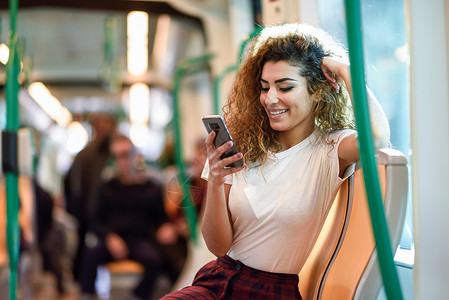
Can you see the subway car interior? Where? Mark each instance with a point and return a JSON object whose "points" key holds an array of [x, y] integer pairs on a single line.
{"points": [[72, 73]]}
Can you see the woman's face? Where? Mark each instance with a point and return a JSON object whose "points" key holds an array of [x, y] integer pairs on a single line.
{"points": [[287, 102]]}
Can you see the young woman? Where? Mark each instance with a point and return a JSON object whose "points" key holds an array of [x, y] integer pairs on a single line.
{"points": [[290, 116]]}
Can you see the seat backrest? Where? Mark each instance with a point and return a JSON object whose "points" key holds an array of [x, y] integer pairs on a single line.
{"points": [[314, 271], [343, 263]]}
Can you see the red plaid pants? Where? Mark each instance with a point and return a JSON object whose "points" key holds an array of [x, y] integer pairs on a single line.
{"points": [[226, 278]]}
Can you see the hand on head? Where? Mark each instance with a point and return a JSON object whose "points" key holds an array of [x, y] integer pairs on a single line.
{"points": [[333, 70]]}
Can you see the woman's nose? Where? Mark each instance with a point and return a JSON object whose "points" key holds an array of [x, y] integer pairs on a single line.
{"points": [[272, 96]]}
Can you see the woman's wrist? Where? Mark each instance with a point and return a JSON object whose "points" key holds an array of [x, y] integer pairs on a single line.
{"points": [[214, 184]]}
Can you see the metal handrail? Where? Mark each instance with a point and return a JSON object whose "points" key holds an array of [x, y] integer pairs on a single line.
{"points": [[221, 76], [184, 68], [10, 145], [367, 153]]}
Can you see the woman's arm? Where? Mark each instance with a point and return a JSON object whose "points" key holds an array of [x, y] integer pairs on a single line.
{"points": [[348, 150], [216, 224]]}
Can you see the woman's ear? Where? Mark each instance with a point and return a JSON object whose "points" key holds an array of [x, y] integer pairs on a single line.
{"points": [[316, 97]]}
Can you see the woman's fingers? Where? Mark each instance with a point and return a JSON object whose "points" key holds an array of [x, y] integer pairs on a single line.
{"points": [[217, 165], [229, 160], [219, 171], [210, 142], [330, 72], [216, 153], [332, 77]]}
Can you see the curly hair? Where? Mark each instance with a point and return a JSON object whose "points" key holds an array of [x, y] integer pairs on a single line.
{"points": [[304, 47]]}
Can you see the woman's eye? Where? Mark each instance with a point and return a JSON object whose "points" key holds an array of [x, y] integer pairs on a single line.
{"points": [[264, 89], [286, 89]]}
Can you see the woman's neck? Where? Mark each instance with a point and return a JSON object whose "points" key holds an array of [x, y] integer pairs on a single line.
{"points": [[291, 138]]}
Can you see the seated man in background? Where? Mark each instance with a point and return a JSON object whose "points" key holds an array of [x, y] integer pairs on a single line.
{"points": [[129, 221]]}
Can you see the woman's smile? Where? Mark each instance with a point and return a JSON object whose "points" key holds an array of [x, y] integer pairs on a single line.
{"points": [[277, 112]]}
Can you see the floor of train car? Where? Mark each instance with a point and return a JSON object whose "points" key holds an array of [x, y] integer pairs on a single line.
{"points": [[45, 289], [37, 285]]}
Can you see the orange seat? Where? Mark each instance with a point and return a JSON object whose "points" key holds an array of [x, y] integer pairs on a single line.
{"points": [[115, 280], [124, 267], [343, 263]]}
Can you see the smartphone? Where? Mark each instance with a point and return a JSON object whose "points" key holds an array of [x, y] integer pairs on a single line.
{"points": [[217, 124]]}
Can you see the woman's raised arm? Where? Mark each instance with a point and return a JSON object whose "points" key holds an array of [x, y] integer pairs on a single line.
{"points": [[335, 70]]}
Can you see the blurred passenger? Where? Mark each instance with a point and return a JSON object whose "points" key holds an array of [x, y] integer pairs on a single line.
{"points": [[51, 240], [129, 221], [84, 177]]}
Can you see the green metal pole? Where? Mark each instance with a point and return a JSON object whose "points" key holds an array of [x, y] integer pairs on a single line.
{"points": [[255, 32], [367, 153], [219, 79], [183, 69], [109, 69], [12, 125], [109, 28]]}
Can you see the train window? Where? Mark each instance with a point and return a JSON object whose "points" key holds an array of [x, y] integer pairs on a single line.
{"points": [[386, 67]]}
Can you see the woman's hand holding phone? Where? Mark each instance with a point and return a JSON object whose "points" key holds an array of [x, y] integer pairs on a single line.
{"points": [[218, 169]]}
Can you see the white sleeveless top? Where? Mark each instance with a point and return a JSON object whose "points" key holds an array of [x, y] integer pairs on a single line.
{"points": [[278, 209]]}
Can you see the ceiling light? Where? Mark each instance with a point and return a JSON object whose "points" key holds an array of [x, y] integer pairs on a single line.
{"points": [[137, 23], [39, 92]]}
